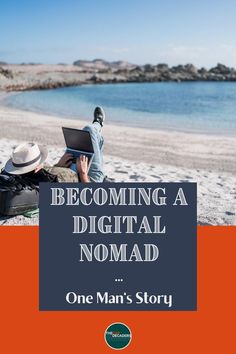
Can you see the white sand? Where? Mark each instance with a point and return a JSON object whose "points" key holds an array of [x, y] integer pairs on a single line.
{"points": [[134, 154]]}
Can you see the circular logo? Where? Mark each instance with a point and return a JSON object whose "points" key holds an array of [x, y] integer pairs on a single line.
{"points": [[118, 336]]}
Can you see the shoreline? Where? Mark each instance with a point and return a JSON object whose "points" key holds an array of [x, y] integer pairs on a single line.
{"points": [[4, 95], [176, 148], [170, 157]]}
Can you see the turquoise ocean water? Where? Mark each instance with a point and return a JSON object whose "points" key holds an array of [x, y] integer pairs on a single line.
{"points": [[204, 107]]}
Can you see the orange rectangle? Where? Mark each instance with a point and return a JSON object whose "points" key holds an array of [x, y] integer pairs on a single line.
{"points": [[26, 330]]}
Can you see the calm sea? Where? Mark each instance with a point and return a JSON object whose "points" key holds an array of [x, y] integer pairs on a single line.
{"points": [[196, 107]]}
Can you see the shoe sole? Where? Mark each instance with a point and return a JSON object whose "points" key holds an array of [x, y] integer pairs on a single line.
{"points": [[103, 112]]}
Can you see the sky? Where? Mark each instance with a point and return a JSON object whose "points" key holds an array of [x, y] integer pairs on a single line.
{"points": [[175, 32]]}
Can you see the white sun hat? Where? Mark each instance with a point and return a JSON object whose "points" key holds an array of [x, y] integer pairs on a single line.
{"points": [[25, 158]]}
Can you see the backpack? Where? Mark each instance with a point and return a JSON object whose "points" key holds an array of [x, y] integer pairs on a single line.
{"points": [[20, 193]]}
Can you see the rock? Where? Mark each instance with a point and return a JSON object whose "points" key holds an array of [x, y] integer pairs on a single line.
{"points": [[97, 79], [202, 71], [177, 69], [124, 71], [148, 68], [137, 69], [190, 68], [6, 73], [162, 67], [94, 78], [221, 69]]}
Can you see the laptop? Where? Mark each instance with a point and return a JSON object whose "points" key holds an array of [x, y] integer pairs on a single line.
{"points": [[78, 142]]}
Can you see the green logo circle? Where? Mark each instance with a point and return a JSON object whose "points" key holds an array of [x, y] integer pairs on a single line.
{"points": [[118, 336]]}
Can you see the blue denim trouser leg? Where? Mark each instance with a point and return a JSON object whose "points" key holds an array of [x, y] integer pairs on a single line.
{"points": [[96, 172]]}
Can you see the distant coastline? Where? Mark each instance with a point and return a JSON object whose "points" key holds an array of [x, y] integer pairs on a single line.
{"points": [[22, 77]]}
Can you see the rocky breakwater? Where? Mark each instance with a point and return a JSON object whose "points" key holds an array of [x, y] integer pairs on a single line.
{"points": [[188, 72], [104, 72]]}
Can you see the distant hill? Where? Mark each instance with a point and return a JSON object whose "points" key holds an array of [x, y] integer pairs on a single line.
{"points": [[100, 64]]}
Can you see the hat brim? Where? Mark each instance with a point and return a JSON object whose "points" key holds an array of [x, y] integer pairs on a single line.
{"points": [[13, 170]]}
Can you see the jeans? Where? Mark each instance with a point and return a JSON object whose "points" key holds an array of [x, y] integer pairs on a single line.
{"points": [[96, 172]]}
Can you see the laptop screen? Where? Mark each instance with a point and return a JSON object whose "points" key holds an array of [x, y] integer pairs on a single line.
{"points": [[78, 139]]}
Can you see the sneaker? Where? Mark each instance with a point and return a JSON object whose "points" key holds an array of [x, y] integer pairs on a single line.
{"points": [[99, 115]]}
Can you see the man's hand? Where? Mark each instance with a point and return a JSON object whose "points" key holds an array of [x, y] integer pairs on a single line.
{"points": [[65, 160], [82, 168]]}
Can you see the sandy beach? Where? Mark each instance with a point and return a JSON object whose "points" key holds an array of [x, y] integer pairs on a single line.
{"points": [[138, 155]]}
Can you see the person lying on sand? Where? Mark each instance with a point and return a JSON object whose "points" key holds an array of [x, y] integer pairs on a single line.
{"points": [[28, 159]]}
